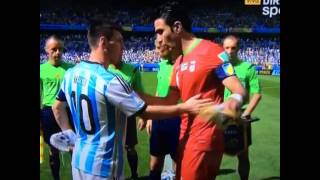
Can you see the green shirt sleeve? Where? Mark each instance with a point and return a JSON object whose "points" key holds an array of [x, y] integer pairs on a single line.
{"points": [[254, 84]]}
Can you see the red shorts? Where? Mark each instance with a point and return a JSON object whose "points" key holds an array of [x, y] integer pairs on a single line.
{"points": [[198, 165]]}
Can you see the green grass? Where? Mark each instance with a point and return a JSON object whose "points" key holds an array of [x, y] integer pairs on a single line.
{"points": [[264, 153]]}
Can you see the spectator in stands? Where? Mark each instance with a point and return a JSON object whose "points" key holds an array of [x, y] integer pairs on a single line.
{"points": [[140, 49]]}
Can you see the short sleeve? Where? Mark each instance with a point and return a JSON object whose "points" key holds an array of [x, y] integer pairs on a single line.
{"points": [[120, 94], [254, 84]]}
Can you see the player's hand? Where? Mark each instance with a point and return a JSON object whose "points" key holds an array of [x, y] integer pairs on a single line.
{"points": [[149, 126], [219, 114], [232, 105], [194, 104], [245, 116], [141, 124]]}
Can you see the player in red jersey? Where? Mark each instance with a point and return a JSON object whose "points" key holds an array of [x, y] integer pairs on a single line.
{"points": [[201, 67]]}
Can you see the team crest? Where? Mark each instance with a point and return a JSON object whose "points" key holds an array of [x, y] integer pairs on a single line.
{"points": [[192, 66], [184, 66], [228, 69], [225, 70]]}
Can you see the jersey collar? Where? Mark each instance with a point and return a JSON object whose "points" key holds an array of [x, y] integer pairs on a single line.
{"points": [[192, 46], [166, 61]]}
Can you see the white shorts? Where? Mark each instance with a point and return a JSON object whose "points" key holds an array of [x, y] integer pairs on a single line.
{"points": [[77, 174]]}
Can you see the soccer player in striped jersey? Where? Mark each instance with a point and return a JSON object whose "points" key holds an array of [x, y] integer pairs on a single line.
{"points": [[132, 76], [51, 76], [100, 101], [247, 74]]}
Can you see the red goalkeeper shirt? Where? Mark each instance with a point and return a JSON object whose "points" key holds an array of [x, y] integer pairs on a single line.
{"points": [[201, 70]]}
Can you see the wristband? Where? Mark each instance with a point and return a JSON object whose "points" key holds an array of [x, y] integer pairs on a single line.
{"points": [[237, 97]]}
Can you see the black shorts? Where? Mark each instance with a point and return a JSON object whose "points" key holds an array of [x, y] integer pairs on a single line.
{"points": [[165, 137], [248, 135], [48, 124], [131, 137]]}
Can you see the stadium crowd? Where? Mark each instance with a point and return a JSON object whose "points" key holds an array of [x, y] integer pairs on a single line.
{"points": [[223, 18], [264, 52], [204, 17]]}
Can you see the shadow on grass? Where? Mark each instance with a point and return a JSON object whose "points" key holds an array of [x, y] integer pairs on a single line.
{"points": [[271, 178], [226, 171]]}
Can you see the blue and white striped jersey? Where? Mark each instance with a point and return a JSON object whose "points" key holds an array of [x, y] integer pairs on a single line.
{"points": [[99, 102]]}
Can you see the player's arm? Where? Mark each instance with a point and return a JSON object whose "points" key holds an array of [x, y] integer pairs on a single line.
{"points": [[59, 109], [149, 126], [254, 101], [231, 107], [120, 94], [238, 93], [191, 106], [171, 99], [225, 72], [160, 104], [255, 91]]}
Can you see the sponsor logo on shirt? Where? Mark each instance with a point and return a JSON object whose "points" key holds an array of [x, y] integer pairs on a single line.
{"points": [[188, 66], [192, 66], [183, 66]]}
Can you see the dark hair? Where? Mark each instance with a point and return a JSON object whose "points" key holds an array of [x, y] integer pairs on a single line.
{"points": [[232, 36], [101, 27], [175, 11], [55, 37]]}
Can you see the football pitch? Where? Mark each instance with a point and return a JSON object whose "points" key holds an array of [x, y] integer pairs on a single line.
{"points": [[264, 152]]}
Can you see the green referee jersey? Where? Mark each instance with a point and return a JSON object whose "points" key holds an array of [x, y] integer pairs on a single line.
{"points": [[164, 77], [130, 74], [50, 80], [247, 74]]}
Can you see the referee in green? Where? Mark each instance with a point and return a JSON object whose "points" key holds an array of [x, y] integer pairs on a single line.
{"points": [[132, 76], [247, 74], [164, 134], [51, 76]]}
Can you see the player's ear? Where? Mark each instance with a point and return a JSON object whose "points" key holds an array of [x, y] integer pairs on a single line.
{"points": [[46, 49], [177, 27], [103, 42]]}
